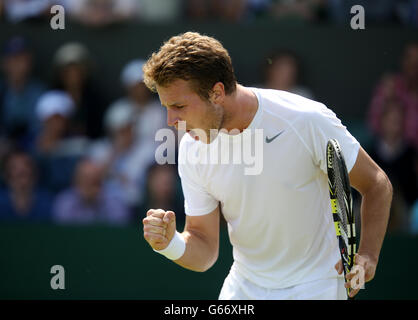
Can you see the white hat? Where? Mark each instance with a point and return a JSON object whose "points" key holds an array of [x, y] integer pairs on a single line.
{"points": [[72, 52], [54, 102], [132, 73], [119, 115]]}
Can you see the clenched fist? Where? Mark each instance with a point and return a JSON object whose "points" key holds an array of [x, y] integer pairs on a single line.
{"points": [[159, 228]]}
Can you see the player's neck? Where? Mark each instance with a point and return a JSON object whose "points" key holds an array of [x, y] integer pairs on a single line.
{"points": [[240, 109]]}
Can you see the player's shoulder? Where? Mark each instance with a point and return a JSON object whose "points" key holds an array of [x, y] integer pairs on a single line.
{"points": [[276, 99], [287, 105]]}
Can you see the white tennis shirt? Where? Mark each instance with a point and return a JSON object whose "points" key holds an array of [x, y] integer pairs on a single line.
{"points": [[279, 221]]}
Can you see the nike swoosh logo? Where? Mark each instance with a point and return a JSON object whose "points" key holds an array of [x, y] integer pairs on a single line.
{"points": [[268, 140]]}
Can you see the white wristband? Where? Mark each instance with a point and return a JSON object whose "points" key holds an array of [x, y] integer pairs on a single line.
{"points": [[175, 248]]}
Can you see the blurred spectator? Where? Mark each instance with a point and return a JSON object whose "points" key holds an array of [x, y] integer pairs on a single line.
{"points": [[297, 10], [283, 72], [258, 8], [22, 200], [149, 115], [98, 13], [89, 200], [160, 10], [377, 11], [131, 123], [231, 10], [123, 156], [1, 9], [73, 66], [163, 191], [403, 86], [19, 93], [19, 10], [57, 150], [198, 9], [392, 153], [53, 110], [407, 12]]}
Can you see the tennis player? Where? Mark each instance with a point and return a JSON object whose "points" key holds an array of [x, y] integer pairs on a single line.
{"points": [[279, 221]]}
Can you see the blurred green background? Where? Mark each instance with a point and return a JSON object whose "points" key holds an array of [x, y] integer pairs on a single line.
{"points": [[117, 263]]}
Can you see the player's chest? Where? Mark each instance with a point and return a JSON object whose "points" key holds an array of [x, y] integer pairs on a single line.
{"points": [[275, 165]]}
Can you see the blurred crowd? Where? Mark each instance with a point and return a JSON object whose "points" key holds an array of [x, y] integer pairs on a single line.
{"points": [[67, 156], [393, 120], [105, 12], [70, 155]]}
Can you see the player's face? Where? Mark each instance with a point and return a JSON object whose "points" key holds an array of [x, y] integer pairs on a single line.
{"points": [[183, 104]]}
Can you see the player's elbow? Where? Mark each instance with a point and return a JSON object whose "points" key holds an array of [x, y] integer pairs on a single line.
{"points": [[383, 186], [386, 185], [208, 263], [213, 260]]}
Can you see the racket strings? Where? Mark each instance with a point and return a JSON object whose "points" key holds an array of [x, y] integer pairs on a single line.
{"points": [[342, 203]]}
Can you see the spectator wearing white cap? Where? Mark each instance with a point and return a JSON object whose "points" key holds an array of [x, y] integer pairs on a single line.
{"points": [[56, 149], [54, 102], [123, 156], [53, 110], [148, 113]]}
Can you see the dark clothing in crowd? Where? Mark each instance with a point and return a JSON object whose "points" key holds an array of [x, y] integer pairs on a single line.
{"points": [[39, 210], [399, 169], [87, 119]]}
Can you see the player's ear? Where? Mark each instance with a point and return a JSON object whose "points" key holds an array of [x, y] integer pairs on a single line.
{"points": [[217, 95]]}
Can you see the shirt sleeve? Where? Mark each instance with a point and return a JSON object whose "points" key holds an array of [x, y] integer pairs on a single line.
{"points": [[323, 126], [197, 200]]}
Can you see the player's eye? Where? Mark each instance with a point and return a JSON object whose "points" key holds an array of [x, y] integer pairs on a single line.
{"points": [[179, 107]]}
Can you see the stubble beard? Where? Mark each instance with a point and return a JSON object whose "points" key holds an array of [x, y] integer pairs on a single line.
{"points": [[217, 116]]}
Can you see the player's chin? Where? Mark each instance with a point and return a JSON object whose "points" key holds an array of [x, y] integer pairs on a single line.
{"points": [[194, 135]]}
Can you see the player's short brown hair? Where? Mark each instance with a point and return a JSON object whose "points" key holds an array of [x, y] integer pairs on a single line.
{"points": [[191, 56]]}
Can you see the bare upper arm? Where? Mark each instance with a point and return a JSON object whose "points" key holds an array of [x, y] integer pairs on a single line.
{"points": [[365, 173], [205, 227]]}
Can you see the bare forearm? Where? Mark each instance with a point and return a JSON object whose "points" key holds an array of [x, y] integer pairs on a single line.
{"points": [[200, 254], [375, 210]]}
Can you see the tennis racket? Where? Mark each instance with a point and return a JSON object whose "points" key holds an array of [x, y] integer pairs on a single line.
{"points": [[342, 205]]}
